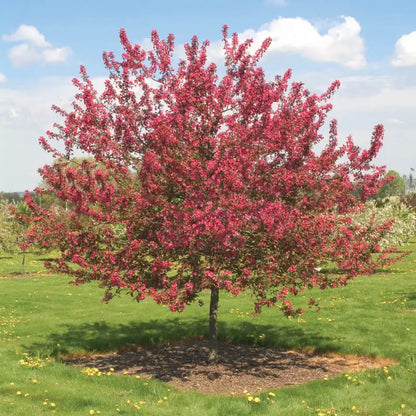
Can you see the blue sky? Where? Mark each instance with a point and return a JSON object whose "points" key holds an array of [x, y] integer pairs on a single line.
{"points": [[370, 46]]}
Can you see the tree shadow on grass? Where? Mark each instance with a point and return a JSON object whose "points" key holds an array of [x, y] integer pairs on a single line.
{"points": [[410, 296], [102, 336], [43, 259], [274, 336]]}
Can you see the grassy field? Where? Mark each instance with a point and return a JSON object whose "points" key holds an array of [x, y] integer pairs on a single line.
{"points": [[29, 262], [42, 317]]}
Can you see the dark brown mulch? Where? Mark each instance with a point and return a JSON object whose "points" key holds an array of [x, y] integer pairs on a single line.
{"points": [[185, 366]]}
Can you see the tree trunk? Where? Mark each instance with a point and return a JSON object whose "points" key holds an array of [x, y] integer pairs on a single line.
{"points": [[213, 311], [23, 262]]}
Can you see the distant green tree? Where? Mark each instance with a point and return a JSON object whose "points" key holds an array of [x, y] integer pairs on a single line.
{"points": [[394, 186], [13, 228], [6, 232], [11, 197]]}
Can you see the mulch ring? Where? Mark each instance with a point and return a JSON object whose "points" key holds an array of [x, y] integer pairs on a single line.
{"points": [[184, 365]]}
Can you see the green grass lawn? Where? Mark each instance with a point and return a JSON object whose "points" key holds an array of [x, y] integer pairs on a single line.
{"points": [[42, 317], [32, 263]]}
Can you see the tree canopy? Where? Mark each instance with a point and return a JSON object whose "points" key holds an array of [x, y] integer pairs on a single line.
{"points": [[200, 181]]}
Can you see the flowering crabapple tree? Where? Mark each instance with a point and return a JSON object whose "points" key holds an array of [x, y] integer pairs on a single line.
{"points": [[197, 181]]}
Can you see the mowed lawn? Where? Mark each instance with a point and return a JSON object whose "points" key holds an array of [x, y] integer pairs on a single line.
{"points": [[42, 317]]}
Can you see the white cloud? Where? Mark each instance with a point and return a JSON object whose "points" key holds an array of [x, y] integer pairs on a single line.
{"points": [[24, 54], [405, 52], [56, 55], [33, 48], [146, 44], [395, 122], [25, 115], [392, 100], [363, 102], [341, 44], [2, 78], [28, 34]]}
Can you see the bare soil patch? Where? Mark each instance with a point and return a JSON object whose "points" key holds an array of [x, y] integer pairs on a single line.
{"points": [[185, 366]]}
